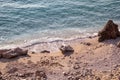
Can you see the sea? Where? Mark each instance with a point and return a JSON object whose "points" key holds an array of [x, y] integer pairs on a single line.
{"points": [[34, 21]]}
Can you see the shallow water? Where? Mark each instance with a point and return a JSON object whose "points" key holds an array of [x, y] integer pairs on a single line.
{"points": [[46, 20]]}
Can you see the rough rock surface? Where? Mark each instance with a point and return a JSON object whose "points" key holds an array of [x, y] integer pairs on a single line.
{"points": [[11, 53], [40, 75], [110, 31], [66, 49]]}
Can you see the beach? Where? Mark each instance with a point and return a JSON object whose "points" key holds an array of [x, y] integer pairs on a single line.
{"points": [[59, 40], [91, 60]]}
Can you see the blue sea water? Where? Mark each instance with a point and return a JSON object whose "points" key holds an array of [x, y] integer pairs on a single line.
{"points": [[26, 20]]}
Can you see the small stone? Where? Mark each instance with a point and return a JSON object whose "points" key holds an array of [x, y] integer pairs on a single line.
{"points": [[65, 74], [40, 74], [70, 78], [21, 75], [97, 78], [65, 49], [76, 67], [87, 43], [118, 44], [33, 52], [45, 51]]}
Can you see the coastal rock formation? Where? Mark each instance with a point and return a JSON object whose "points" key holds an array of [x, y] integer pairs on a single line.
{"points": [[110, 31], [11, 53], [66, 49]]}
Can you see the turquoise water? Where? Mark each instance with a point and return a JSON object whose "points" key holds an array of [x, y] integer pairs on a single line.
{"points": [[26, 20]]}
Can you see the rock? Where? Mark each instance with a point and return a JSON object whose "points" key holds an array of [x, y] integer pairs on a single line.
{"points": [[0, 55], [97, 78], [0, 73], [12, 70], [3, 51], [86, 43], [1, 76], [65, 49], [9, 54], [70, 78], [20, 51], [45, 51], [110, 31], [118, 44], [65, 74], [41, 75], [14, 53], [76, 66]]}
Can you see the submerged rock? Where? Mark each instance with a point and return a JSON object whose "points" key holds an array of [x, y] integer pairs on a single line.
{"points": [[66, 49], [110, 31]]}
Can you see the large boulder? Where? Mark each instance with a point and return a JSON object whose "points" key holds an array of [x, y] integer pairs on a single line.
{"points": [[13, 53], [110, 31]]}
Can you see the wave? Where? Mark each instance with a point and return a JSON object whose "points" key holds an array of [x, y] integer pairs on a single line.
{"points": [[17, 5], [33, 42]]}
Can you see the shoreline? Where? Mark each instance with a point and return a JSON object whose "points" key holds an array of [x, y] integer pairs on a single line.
{"points": [[97, 58], [92, 58], [33, 42]]}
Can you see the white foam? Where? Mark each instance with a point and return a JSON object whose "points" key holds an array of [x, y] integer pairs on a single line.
{"points": [[17, 5]]}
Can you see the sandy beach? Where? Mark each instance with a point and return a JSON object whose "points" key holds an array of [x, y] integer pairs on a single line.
{"points": [[59, 39], [91, 60]]}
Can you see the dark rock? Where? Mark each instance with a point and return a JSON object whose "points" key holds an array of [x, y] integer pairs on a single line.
{"points": [[40, 75], [0, 55], [1, 76], [45, 51], [3, 51], [76, 66], [14, 53], [20, 51], [12, 70], [0, 73], [110, 31], [65, 49], [86, 43], [33, 52], [9, 54], [118, 77], [97, 78], [70, 78], [65, 74]]}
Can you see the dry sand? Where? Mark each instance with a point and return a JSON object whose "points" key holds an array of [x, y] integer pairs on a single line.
{"points": [[90, 61]]}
